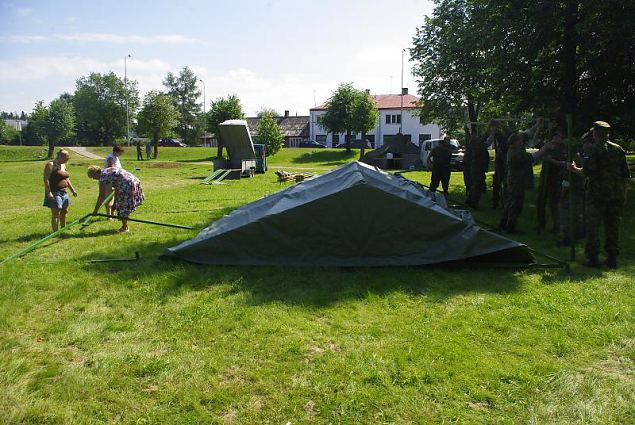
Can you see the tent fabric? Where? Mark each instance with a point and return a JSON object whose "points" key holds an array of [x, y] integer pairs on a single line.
{"points": [[237, 141], [355, 215]]}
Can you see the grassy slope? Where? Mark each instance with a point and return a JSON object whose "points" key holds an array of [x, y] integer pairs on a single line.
{"points": [[169, 342]]}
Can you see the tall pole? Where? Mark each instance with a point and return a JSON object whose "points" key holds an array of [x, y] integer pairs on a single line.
{"points": [[401, 110], [204, 115], [125, 82], [204, 96]]}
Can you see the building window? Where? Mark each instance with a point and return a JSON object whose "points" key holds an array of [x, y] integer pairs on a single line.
{"points": [[336, 139], [321, 138], [393, 119], [388, 119], [424, 137], [294, 142]]}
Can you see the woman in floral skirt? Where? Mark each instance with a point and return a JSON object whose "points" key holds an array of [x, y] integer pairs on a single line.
{"points": [[128, 192]]}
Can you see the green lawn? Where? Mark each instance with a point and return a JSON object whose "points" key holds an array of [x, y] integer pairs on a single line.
{"points": [[163, 341]]}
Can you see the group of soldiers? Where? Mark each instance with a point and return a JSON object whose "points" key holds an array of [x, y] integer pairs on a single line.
{"points": [[578, 194]]}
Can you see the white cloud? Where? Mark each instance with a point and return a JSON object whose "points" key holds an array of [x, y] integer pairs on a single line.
{"points": [[23, 11], [102, 37], [48, 76]]}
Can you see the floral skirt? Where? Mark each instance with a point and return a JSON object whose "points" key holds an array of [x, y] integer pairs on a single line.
{"points": [[128, 197]]}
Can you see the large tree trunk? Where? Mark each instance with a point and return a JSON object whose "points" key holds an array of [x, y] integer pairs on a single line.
{"points": [[348, 141], [472, 113], [155, 145], [219, 153], [51, 149], [361, 151], [569, 70]]}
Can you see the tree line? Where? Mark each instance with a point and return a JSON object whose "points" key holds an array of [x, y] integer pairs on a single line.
{"points": [[98, 112], [481, 59]]}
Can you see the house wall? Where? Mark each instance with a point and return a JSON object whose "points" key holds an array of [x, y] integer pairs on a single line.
{"points": [[411, 126]]}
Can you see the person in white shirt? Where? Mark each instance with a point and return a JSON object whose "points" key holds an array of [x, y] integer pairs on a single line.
{"points": [[112, 161]]}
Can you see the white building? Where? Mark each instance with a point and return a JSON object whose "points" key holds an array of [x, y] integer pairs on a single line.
{"points": [[389, 124]]}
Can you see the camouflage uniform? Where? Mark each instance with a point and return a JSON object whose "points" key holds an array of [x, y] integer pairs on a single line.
{"points": [[501, 146], [479, 165], [572, 197], [607, 171], [549, 187], [520, 177], [468, 154], [440, 156]]}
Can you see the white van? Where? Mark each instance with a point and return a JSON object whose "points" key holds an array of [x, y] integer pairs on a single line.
{"points": [[456, 163]]}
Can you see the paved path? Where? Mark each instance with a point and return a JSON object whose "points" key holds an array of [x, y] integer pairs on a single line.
{"points": [[80, 150]]}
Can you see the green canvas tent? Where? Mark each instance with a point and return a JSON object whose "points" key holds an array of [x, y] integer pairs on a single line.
{"points": [[355, 215]]}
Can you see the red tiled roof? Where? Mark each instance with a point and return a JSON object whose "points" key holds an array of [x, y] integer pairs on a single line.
{"points": [[386, 101]]}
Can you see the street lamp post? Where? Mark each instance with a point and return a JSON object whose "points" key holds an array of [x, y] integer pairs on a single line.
{"points": [[125, 81], [204, 98], [204, 113]]}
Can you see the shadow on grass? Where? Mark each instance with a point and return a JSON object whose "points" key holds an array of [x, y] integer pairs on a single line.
{"points": [[206, 159], [326, 157], [24, 160], [314, 287]]}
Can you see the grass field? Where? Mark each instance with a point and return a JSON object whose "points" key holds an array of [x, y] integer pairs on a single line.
{"points": [[161, 341]]}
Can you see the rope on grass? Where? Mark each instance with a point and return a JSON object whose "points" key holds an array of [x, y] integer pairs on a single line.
{"points": [[44, 239], [156, 223]]}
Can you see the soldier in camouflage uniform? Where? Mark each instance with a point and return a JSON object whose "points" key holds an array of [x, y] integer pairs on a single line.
{"points": [[440, 157], [549, 188], [520, 177], [497, 141], [572, 198], [479, 165], [604, 165], [467, 164]]}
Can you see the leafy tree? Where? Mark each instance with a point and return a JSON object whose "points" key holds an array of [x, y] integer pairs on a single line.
{"points": [[157, 117], [339, 109], [364, 116], [452, 64], [6, 132], [550, 57], [35, 132], [269, 133], [185, 93], [100, 105], [59, 124], [221, 110], [269, 111]]}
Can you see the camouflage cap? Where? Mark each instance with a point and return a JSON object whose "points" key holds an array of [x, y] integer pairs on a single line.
{"points": [[601, 125]]}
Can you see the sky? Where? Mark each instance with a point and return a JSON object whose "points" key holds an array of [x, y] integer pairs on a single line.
{"points": [[280, 54]]}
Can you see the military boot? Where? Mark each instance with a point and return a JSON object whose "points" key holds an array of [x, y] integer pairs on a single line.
{"points": [[611, 262], [592, 261]]}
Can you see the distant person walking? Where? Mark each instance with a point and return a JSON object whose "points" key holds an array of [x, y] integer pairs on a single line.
{"points": [[148, 150], [139, 152], [56, 181], [128, 192], [604, 165]]}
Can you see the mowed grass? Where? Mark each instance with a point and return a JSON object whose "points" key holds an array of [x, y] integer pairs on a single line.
{"points": [[163, 341]]}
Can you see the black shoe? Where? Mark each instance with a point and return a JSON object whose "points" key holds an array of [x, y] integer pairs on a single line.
{"points": [[593, 262], [611, 262]]}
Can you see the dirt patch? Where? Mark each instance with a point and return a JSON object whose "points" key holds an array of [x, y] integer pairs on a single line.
{"points": [[163, 165]]}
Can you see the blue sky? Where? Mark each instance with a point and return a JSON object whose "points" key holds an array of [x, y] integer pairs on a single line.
{"points": [[276, 53]]}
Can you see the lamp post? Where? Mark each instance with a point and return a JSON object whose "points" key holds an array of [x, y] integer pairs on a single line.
{"points": [[401, 95], [204, 113], [125, 82]]}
